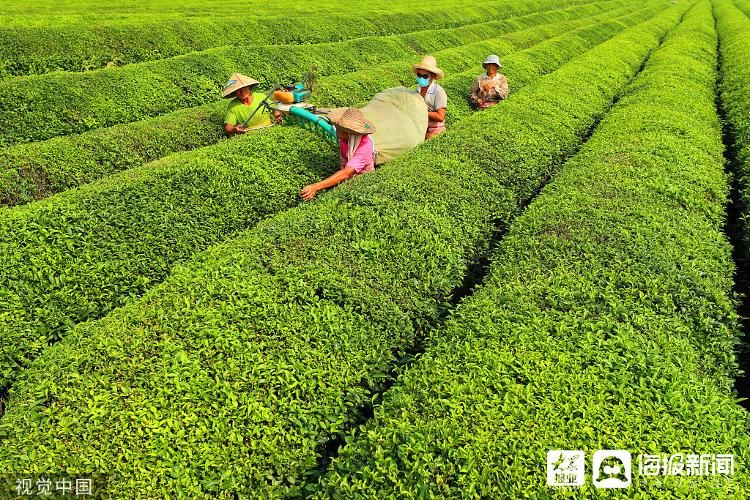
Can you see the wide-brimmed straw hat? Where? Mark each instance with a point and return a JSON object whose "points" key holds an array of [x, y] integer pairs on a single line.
{"points": [[236, 82], [492, 59], [351, 120], [429, 63]]}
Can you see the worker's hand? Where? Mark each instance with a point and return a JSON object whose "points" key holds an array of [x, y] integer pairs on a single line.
{"points": [[239, 129], [277, 117], [308, 192]]}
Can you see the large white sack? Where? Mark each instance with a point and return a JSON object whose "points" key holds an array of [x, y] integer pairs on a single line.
{"points": [[400, 117]]}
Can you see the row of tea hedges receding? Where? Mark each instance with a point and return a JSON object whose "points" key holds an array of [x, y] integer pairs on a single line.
{"points": [[42, 47], [233, 374], [734, 35], [606, 322], [102, 98], [35, 170]]}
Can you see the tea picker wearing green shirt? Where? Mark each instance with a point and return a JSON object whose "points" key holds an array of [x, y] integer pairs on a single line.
{"points": [[242, 106]]}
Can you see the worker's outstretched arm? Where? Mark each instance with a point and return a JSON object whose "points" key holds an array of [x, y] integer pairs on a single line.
{"points": [[308, 192]]}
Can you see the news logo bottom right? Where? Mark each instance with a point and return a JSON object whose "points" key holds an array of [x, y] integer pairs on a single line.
{"points": [[614, 468]]}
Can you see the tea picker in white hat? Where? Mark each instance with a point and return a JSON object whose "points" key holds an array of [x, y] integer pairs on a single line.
{"points": [[490, 88], [356, 148], [434, 95], [243, 106]]}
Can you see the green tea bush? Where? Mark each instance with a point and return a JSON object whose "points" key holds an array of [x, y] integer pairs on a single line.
{"points": [[606, 322], [37, 170], [461, 63], [734, 35], [742, 5], [33, 171], [90, 44], [88, 238], [233, 374], [24, 12]]}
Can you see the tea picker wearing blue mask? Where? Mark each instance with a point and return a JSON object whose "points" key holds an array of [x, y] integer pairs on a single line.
{"points": [[434, 95]]}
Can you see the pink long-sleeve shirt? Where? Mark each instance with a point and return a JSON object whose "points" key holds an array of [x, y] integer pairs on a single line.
{"points": [[363, 159]]}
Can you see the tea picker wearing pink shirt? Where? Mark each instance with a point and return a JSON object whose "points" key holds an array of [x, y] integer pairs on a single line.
{"points": [[356, 148]]}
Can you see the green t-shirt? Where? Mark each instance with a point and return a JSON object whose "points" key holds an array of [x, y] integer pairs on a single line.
{"points": [[238, 113]]}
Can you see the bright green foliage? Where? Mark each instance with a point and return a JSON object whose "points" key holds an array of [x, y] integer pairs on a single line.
{"points": [[606, 322], [743, 5], [78, 255], [31, 48], [88, 238], [734, 35], [233, 374], [460, 64], [61, 11], [38, 169]]}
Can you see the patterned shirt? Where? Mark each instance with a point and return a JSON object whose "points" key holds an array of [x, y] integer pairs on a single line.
{"points": [[489, 89]]}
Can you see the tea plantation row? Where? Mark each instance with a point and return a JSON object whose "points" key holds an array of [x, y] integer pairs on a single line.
{"points": [[32, 48], [606, 322], [238, 369], [734, 30], [86, 101]]}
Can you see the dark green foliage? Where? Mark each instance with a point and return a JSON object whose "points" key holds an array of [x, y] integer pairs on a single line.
{"points": [[231, 375], [606, 322]]}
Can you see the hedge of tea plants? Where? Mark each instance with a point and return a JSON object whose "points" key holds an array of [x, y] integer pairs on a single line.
{"points": [[734, 35], [607, 320], [44, 106], [237, 371], [103, 98], [742, 5]]}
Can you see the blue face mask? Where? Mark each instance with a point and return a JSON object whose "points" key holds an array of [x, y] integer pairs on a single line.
{"points": [[423, 82]]}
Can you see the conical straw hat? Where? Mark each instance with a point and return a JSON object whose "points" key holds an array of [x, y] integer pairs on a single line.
{"points": [[237, 81], [352, 120], [429, 63]]}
